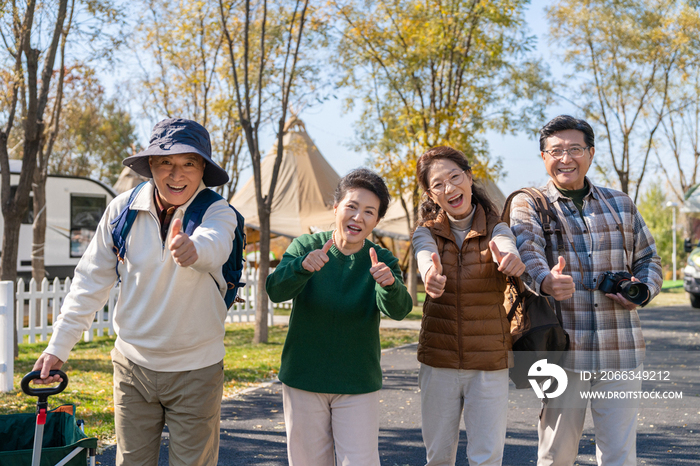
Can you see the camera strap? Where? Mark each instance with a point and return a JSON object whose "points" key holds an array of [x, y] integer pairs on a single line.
{"points": [[620, 227], [561, 218], [570, 237]]}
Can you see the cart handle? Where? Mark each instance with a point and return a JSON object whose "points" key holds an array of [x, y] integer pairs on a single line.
{"points": [[43, 393]]}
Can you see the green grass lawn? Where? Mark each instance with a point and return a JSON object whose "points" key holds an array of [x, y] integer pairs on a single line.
{"points": [[671, 296], [415, 314], [671, 284], [90, 372]]}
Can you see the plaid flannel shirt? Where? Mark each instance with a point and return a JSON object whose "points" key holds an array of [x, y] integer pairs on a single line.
{"points": [[604, 335]]}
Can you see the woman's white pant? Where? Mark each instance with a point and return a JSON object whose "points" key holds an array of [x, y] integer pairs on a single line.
{"points": [[482, 395], [321, 426]]}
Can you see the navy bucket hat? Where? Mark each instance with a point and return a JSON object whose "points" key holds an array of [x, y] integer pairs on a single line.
{"points": [[179, 136]]}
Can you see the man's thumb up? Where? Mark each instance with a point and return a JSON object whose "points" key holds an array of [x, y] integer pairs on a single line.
{"points": [[177, 227], [181, 246], [437, 265], [559, 267]]}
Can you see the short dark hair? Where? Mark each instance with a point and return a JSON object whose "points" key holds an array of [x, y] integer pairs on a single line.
{"points": [[365, 179], [564, 122], [428, 209]]}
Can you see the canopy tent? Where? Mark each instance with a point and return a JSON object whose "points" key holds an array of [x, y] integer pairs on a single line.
{"points": [[127, 180], [303, 201], [394, 224]]}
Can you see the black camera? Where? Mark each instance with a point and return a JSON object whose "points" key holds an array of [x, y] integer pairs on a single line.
{"points": [[621, 282]]}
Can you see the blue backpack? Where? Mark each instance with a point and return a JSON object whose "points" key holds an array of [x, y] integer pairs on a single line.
{"points": [[232, 269]]}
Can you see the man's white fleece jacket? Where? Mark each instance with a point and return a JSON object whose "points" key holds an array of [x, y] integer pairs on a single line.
{"points": [[167, 318]]}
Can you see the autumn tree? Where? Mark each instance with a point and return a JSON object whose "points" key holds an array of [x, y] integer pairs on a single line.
{"points": [[184, 75], [658, 218], [626, 59], [429, 73], [678, 149], [28, 71], [269, 50], [84, 24], [96, 132], [45, 147], [31, 34]]}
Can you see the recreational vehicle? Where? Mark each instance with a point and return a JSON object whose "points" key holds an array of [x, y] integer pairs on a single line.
{"points": [[74, 206]]}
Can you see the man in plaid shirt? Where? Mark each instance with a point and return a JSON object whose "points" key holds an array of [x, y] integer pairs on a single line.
{"points": [[602, 231]]}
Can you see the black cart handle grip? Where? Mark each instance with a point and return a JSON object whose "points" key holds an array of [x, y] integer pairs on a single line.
{"points": [[43, 392]]}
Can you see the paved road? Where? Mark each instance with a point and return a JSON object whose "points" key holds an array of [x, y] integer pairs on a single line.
{"points": [[252, 428]]}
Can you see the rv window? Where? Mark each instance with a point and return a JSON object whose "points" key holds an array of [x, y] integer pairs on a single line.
{"points": [[85, 214], [29, 218]]}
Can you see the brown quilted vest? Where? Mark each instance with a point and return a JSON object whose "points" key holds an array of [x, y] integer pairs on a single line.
{"points": [[467, 327]]}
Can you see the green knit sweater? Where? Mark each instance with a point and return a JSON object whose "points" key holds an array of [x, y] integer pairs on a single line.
{"points": [[333, 341]]}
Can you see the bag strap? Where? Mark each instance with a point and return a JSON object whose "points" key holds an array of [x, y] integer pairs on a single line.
{"points": [[121, 227], [197, 208], [547, 216]]}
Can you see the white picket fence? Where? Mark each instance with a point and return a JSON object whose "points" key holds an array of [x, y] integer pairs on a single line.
{"points": [[7, 350], [37, 307]]}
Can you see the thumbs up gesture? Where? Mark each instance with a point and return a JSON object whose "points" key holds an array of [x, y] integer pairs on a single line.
{"points": [[508, 263], [316, 259], [380, 271], [434, 279], [558, 285], [181, 246]]}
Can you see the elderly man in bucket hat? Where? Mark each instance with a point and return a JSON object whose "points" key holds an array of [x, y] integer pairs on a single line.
{"points": [[169, 317]]}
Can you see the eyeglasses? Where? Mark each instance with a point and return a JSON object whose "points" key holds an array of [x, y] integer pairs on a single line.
{"points": [[574, 152], [454, 180]]}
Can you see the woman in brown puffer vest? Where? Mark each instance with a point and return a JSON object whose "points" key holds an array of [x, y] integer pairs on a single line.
{"points": [[464, 254]]}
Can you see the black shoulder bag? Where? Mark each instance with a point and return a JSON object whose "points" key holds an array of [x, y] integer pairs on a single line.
{"points": [[535, 326]]}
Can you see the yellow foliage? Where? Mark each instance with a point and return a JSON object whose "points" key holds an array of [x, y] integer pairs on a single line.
{"points": [[428, 73]]}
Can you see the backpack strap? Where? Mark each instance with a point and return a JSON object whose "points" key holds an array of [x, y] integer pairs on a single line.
{"points": [[121, 227], [547, 215], [232, 269], [195, 211]]}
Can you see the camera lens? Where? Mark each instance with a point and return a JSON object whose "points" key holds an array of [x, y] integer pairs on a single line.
{"points": [[635, 292]]}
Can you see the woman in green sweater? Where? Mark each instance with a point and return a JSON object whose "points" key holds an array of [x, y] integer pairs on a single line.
{"points": [[340, 283]]}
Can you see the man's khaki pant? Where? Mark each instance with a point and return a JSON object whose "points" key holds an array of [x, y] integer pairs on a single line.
{"points": [[614, 422], [188, 402]]}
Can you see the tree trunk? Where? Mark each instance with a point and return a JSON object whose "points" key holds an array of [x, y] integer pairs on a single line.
{"points": [[10, 239], [39, 227], [261, 299]]}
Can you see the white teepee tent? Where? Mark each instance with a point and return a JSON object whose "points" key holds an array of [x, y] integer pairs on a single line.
{"points": [[303, 201]]}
